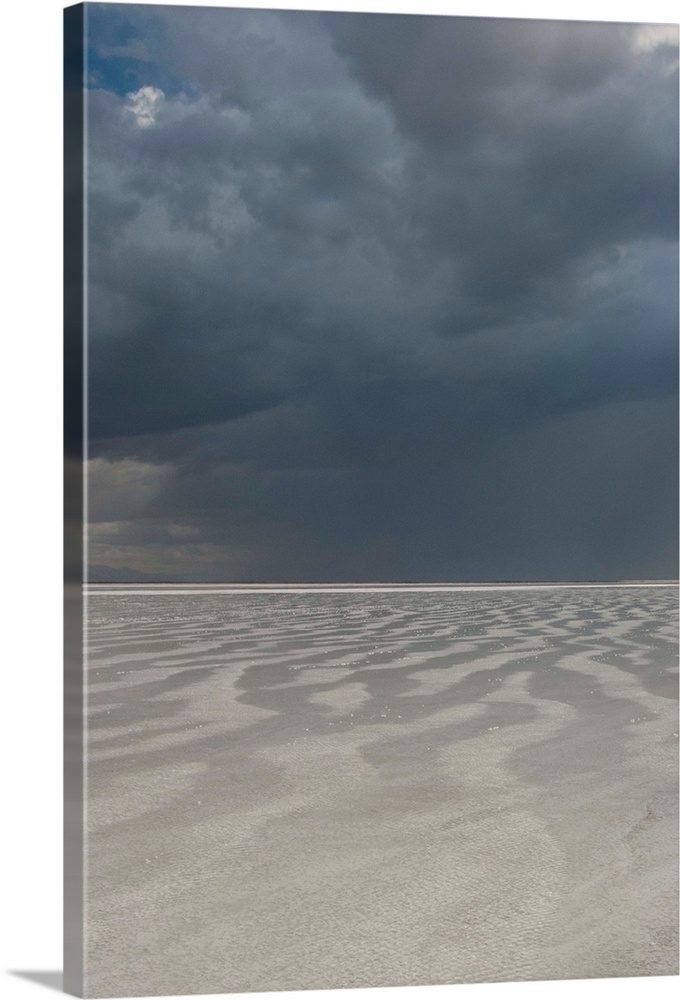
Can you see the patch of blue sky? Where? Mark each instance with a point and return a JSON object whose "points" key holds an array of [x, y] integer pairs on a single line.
{"points": [[124, 51]]}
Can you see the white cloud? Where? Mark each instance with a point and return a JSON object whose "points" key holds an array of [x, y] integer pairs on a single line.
{"points": [[144, 105], [649, 37]]}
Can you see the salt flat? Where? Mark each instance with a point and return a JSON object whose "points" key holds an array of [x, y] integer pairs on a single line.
{"points": [[379, 786]]}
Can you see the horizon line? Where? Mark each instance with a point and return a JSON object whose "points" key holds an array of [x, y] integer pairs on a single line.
{"points": [[382, 583], [160, 587]]}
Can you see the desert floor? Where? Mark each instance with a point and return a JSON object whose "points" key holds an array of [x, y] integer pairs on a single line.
{"points": [[309, 789]]}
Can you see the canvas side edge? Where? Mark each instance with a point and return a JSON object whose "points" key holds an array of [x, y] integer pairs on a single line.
{"points": [[74, 429]]}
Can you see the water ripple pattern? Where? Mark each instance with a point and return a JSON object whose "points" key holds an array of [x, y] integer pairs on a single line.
{"points": [[307, 789]]}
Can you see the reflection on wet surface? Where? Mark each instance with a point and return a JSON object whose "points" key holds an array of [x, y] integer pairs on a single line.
{"points": [[499, 766]]}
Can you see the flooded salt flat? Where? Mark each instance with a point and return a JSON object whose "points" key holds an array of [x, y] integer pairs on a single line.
{"points": [[372, 787]]}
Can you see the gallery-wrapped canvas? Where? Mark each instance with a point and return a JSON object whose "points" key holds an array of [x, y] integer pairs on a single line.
{"points": [[371, 465]]}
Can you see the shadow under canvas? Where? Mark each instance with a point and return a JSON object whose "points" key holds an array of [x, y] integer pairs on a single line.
{"points": [[52, 979]]}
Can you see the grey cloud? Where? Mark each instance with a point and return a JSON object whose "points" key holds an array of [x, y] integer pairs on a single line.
{"points": [[543, 140], [365, 279], [589, 495]]}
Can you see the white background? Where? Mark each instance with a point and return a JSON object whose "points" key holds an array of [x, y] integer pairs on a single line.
{"points": [[30, 394]]}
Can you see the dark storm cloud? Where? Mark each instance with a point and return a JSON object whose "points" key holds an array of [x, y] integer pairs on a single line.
{"points": [[365, 288], [544, 141]]}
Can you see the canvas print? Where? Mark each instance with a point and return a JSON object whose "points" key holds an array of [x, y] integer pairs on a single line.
{"points": [[371, 494]]}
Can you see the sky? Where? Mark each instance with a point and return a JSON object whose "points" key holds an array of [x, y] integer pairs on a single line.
{"points": [[380, 297]]}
